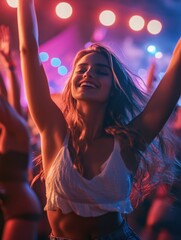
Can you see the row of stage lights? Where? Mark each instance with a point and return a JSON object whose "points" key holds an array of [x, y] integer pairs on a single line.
{"points": [[107, 17]]}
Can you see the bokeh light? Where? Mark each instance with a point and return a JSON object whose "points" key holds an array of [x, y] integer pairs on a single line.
{"points": [[158, 55], [55, 62], [62, 70], [136, 23], [151, 49], [12, 3], [43, 56], [107, 18], [63, 10], [154, 27], [99, 33]]}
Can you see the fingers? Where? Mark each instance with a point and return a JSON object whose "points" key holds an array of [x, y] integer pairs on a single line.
{"points": [[4, 40], [4, 33]]}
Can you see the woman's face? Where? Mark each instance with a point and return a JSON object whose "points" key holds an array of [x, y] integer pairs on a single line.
{"points": [[92, 79]]}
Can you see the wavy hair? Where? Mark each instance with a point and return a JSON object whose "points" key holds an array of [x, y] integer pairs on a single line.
{"points": [[127, 100]]}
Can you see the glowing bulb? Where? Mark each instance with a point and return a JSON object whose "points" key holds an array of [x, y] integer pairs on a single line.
{"points": [[62, 70], [107, 18], [151, 49], [44, 56], [136, 23], [158, 55], [63, 10], [55, 62], [12, 3], [154, 27]]}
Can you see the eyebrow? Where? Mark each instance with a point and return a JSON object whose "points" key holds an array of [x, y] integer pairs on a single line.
{"points": [[97, 65]]}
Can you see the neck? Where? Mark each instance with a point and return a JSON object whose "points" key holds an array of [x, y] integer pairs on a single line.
{"points": [[94, 119]]}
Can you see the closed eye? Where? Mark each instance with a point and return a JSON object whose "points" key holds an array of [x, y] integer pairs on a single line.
{"points": [[102, 72], [80, 70], [99, 69]]}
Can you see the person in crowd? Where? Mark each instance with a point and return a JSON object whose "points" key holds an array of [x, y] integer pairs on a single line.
{"points": [[12, 92], [165, 206], [104, 147], [19, 204], [9, 85], [9, 65]]}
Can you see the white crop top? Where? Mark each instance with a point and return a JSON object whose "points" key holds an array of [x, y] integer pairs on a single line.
{"points": [[68, 190]]}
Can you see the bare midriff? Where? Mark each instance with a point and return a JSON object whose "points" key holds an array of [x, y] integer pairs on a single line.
{"points": [[75, 227]]}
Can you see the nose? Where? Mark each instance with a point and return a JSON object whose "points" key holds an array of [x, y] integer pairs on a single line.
{"points": [[89, 73]]}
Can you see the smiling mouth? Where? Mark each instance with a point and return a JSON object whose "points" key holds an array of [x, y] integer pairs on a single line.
{"points": [[88, 85]]}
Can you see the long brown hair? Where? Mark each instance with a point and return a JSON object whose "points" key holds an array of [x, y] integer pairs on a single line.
{"points": [[126, 102]]}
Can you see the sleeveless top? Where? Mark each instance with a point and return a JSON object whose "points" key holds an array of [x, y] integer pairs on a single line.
{"points": [[69, 191]]}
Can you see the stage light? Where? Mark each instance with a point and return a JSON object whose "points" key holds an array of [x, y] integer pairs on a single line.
{"points": [[55, 62], [12, 3], [136, 23], [43, 56], [62, 70], [151, 49], [158, 55], [154, 26], [107, 18], [63, 10]]}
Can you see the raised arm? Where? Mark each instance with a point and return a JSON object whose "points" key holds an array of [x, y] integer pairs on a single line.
{"points": [[15, 133], [163, 100], [3, 90], [151, 76], [44, 111], [13, 93]]}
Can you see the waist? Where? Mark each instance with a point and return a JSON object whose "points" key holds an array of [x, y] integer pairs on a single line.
{"points": [[11, 204], [74, 226]]}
